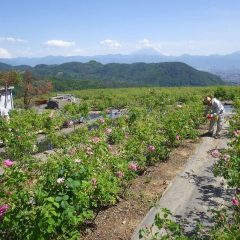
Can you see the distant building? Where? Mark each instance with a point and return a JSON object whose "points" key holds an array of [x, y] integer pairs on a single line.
{"points": [[60, 101], [6, 98]]}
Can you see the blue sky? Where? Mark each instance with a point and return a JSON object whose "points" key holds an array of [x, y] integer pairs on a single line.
{"points": [[31, 28]]}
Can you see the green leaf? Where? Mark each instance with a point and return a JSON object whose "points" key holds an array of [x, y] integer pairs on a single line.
{"points": [[57, 205], [50, 199], [65, 197], [58, 199], [63, 204]]}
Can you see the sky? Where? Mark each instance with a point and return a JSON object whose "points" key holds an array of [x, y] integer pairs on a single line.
{"points": [[37, 28]]}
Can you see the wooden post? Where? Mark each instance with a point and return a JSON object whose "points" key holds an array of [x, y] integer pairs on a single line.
{"points": [[11, 99], [5, 104]]}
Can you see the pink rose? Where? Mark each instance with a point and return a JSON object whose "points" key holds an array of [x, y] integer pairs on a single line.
{"points": [[226, 157], [94, 182], [108, 131], [178, 137], [236, 133], [151, 148], [119, 174], [72, 151], [215, 153], [3, 209], [8, 163], [89, 151], [101, 120], [235, 202], [96, 140], [133, 166]]}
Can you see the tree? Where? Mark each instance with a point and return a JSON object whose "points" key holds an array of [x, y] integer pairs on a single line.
{"points": [[27, 88], [9, 78], [34, 88]]}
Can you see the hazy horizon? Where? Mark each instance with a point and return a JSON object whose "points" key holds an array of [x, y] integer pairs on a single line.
{"points": [[123, 54]]}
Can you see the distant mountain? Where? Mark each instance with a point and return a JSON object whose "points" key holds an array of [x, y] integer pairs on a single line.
{"points": [[5, 67], [147, 51], [76, 75], [211, 62]]}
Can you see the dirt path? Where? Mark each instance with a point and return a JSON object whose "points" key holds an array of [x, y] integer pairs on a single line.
{"points": [[119, 221], [195, 190]]}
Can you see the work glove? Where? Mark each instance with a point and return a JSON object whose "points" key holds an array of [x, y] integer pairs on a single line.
{"points": [[212, 116]]}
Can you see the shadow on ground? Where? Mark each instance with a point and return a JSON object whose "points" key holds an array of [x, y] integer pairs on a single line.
{"points": [[210, 192]]}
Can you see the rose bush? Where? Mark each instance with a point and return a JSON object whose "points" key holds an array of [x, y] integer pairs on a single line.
{"points": [[55, 198]]}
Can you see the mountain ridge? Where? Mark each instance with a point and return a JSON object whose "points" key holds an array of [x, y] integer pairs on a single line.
{"points": [[75, 75], [204, 62]]}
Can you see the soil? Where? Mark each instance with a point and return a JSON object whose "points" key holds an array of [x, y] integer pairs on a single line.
{"points": [[119, 221]]}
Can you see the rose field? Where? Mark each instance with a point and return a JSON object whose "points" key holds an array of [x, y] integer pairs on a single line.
{"points": [[57, 196]]}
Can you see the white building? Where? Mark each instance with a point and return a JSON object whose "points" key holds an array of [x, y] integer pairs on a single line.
{"points": [[6, 98]]}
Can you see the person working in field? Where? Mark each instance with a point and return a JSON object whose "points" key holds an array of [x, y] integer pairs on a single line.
{"points": [[214, 111], [4, 113]]}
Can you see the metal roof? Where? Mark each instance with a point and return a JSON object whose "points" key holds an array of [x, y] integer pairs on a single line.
{"points": [[3, 88]]}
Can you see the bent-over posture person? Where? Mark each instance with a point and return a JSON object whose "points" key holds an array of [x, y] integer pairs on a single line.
{"points": [[214, 111]]}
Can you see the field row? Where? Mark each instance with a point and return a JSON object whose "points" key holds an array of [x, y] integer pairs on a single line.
{"points": [[58, 197]]}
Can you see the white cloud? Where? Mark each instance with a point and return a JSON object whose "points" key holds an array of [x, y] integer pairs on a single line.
{"points": [[4, 53], [146, 43], [59, 43], [110, 43], [11, 40]]}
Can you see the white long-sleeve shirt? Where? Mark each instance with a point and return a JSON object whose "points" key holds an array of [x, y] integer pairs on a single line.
{"points": [[216, 107]]}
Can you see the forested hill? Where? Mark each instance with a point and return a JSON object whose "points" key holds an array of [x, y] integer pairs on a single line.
{"points": [[94, 74]]}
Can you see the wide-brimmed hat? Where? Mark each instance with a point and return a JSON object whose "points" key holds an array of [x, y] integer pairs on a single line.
{"points": [[207, 100]]}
